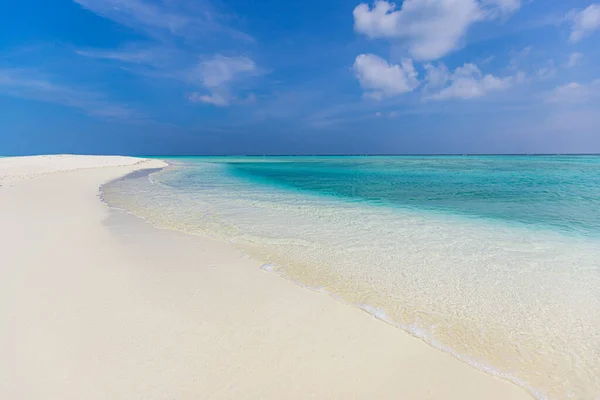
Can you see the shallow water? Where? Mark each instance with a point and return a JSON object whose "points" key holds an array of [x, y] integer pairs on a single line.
{"points": [[493, 259]]}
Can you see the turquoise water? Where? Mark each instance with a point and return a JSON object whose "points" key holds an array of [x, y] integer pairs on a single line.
{"points": [[553, 192], [495, 260]]}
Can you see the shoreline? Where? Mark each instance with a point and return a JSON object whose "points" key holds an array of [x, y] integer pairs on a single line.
{"points": [[126, 310], [367, 308]]}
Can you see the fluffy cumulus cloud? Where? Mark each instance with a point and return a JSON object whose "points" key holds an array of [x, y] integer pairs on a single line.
{"points": [[429, 28], [163, 55], [585, 22], [466, 82], [574, 93], [381, 79], [216, 74], [219, 69]]}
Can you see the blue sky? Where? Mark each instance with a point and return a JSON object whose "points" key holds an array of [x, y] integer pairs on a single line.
{"points": [[305, 77]]}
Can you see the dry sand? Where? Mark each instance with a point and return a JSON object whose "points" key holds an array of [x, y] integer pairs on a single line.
{"points": [[96, 304]]}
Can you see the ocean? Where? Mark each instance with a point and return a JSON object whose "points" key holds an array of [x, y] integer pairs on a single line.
{"points": [[493, 259]]}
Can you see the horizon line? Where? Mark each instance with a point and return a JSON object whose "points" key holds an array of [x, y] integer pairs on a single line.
{"points": [[372, 155]]}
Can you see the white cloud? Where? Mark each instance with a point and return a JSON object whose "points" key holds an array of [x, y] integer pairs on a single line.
{"points": [[574, 93], [574, 59], [466, 82], [436, 76], [518, 58], [185, 18], [390, 114], [132, 54], [224, 98], [137, 13], [215, 99], [25, 84], [487, 60], [548, 71], [506, 6], [219, 69], [585, 22], [430, 28], [176, 30], [381, 79], [216, 74]]}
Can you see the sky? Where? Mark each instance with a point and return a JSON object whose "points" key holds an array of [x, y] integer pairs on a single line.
{"points": [[185, 77]]}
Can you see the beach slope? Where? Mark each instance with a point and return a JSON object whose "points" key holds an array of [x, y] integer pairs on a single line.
{"points": [[96, 304]]}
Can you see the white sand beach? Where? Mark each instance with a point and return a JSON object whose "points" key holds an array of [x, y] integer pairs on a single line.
{"points": [[97, 304]]}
